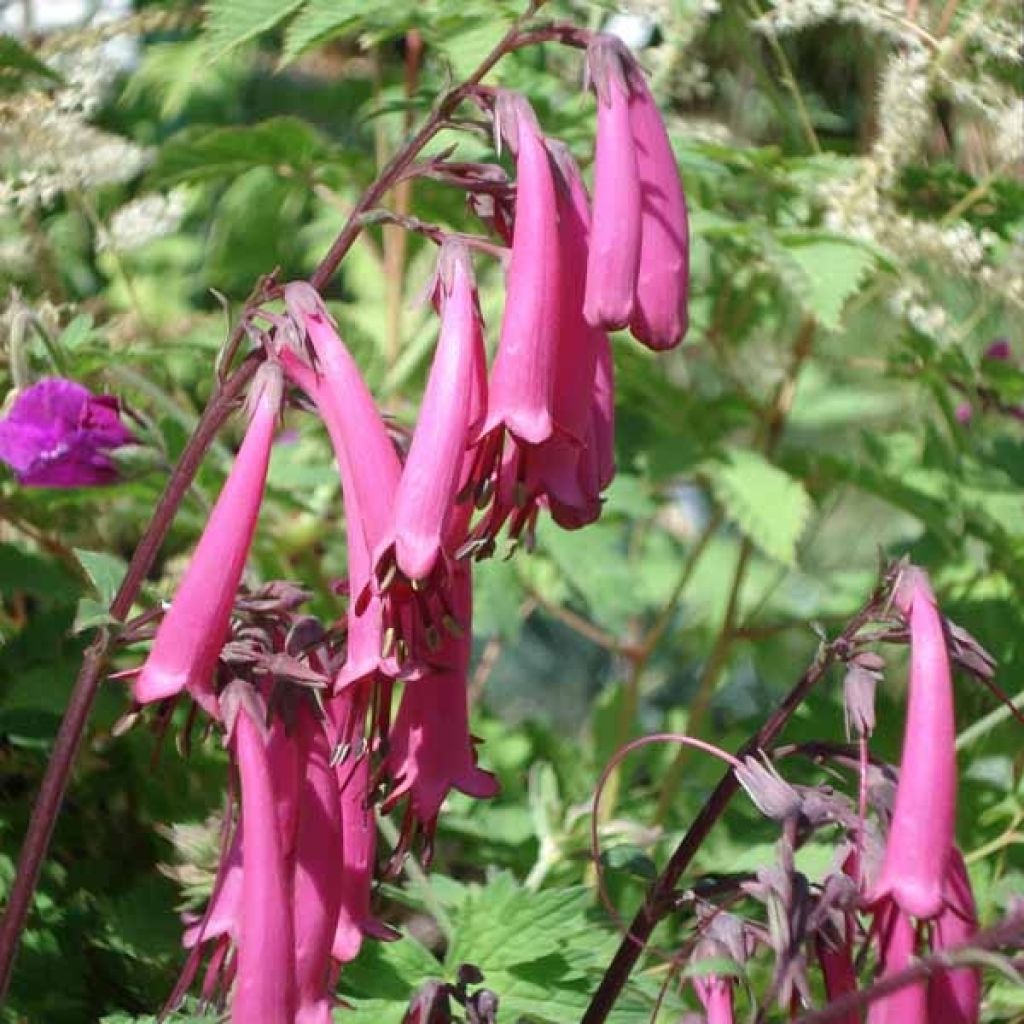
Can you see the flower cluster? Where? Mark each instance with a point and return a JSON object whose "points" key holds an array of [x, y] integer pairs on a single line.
{"points": [[306, 712]]}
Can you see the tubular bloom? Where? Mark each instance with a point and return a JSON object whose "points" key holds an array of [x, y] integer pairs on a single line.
{"points": [[638, 272], [58, 434], [431, 751], [192, 633], [614, 257], [715, 994], [920, 842], [897, 943], [954, 997]]}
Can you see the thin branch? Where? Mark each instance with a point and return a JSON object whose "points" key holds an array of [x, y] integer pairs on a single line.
{"points": [[1008, 932], [659, 898]]}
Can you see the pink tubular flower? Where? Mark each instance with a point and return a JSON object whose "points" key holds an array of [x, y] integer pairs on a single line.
{"points": [[920, 842], [660, 316], [453, 398], [355, 919], [190, 637], [523, 375], [265, 982], [836, 959], [317, 882], [897, 942], [614, 256], [430, 750], [369, 466], [954, 997], [715, 994]]}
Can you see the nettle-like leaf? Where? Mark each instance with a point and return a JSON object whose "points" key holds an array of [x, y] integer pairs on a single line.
{"points": [[230, 23], [202, 154], [321, 20], [832, 270], [766, 503]]}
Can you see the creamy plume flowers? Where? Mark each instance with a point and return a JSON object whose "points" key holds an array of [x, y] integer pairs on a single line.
{"points": [[190, 637], [920, 841]]}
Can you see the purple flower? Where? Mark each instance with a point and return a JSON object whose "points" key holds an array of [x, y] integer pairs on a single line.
{"points": [[59, 434]]}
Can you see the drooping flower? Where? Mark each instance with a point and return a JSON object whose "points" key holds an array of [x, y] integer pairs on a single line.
{"points": [[614, 256], [58, 434], [430, 748], [452, 406], [368, 463], [192, 633], [835, 954], [920, 842], [660, 317], [954, 997], [523, 376], [897, 943], [715, 992], [317, 881], [264, 987], [359, 829]]}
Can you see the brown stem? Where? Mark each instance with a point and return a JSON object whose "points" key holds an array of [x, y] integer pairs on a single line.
{"points": [[658, 900], [72, 726]]}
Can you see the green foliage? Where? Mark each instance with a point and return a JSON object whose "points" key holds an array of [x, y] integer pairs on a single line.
{"points": [[891, 433]]}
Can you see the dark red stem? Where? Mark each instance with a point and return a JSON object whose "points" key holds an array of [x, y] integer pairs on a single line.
{"points": [[660, 897]]}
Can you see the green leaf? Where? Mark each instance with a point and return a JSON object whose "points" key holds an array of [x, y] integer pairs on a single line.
{"points": [[18, 64], [201, 153], [105, 572], [766, 503], [319, 21], [229, 23], [832, 269]]}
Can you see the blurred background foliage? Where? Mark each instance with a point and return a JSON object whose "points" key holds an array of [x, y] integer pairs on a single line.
{"points": [[857, 205]]}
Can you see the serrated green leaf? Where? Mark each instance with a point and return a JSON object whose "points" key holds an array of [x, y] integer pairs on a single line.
{"points": [[229, 23], [105, 572], [766, 503], [319, 21], [832, 270], [200, 153]]}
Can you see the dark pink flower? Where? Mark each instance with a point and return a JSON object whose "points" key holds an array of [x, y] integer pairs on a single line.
{"points": [[192, 633], [58, 434], [430, 750], [614, 256], [954, 997], [835, 954], [523, 376], [359, 844], [452, 407], [660, 315], [318, 880], [920, 841], [716, 996], [264, 987], [897, 940]]}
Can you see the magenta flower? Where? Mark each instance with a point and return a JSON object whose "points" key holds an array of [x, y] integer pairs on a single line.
{"points": [[454, 399], [58, 434], [265, 981], [920, 841], [954, 997], [430, 748], [359, 827], [897, 943], [715, 994], [660, 316], [368, 463], [192, 633], [317, 881], [523, 376], [614, 256], [835, 954]]}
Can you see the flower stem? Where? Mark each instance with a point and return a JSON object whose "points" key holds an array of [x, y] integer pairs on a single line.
{"points": [[659, 897]]}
